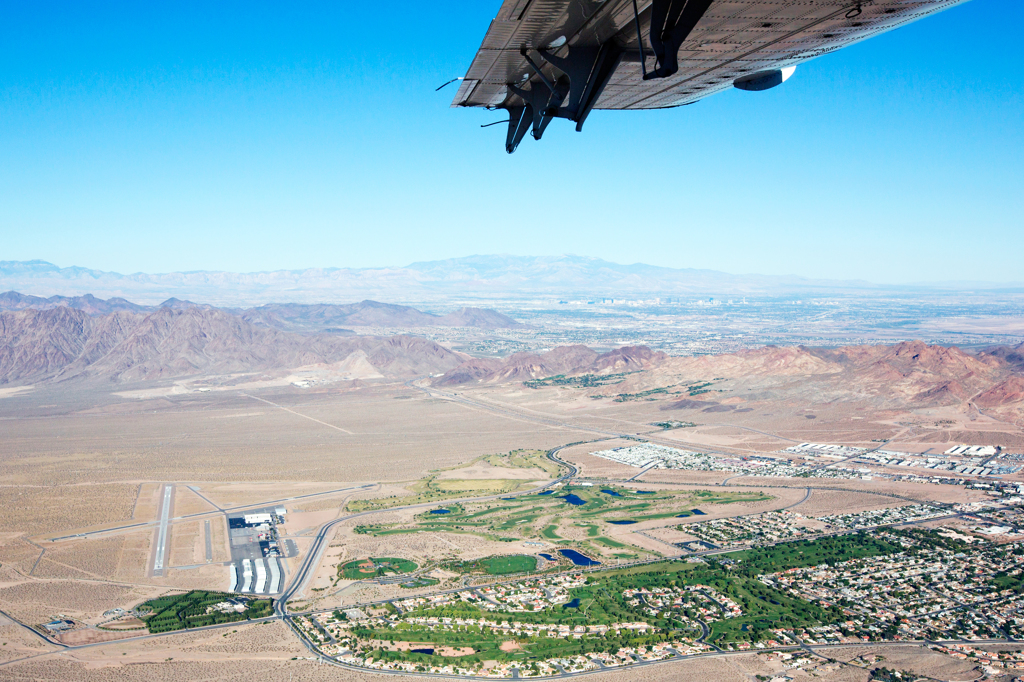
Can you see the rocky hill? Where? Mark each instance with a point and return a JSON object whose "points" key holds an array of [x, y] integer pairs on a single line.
{"points": [[566, 360], [64, 343], [909, 374], [1013, 355]]}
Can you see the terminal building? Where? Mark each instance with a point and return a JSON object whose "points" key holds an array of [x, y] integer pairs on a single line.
{"points": [[257, 519]]}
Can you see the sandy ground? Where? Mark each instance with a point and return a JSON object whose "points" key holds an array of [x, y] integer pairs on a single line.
{"points": [[36, 601], [16, 642], [113, 455], [917, 659], [188, 502], [486, 471], [197, 661], [825, 502]]}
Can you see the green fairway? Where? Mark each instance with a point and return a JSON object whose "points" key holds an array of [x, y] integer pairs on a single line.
{"points": [[375, 568], [550, 533], [538, 516], [608, 542]]}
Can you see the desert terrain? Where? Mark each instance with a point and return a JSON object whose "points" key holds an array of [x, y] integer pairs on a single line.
{"points": [[127, 450]]}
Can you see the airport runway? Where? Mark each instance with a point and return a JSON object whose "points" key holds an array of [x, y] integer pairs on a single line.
{"points": [[209, 542], [163, 535]]}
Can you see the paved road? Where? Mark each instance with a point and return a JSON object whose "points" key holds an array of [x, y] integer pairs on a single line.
{"points": [[807, 496]]}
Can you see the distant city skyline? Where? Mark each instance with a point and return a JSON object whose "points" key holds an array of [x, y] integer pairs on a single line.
{"points": [[249, 138]]}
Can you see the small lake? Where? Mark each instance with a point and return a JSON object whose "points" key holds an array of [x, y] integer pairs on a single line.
{"points": [[574, 604], [698, 512], [622, 522], [644, 492], [440, 511], [507, 499], [547, 556], [612, 492], [546, 492], [429, 652], [574, 500], [578, 559]]}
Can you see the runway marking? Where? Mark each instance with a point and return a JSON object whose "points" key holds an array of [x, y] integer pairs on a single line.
{"points": [[299, 414], [160, 559]]}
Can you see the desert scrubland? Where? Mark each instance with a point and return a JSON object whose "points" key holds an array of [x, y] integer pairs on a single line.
{"points": [[83, 465]]}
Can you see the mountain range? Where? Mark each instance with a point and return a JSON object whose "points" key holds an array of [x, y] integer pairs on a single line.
{"points": [[63, 343], [284, 316], [906, 375], [68, 337], [469, 278]]}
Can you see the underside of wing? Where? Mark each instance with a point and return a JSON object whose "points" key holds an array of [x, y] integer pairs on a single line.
{"points": [[547, 59]]}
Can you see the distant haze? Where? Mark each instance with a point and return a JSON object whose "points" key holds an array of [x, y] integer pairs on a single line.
{"points": [[483, 277]]}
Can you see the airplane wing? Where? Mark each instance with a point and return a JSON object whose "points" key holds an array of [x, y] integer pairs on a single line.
{"points": [[547, 59]]}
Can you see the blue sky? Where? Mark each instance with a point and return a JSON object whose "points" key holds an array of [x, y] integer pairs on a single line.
{"points": [[256, 136]]}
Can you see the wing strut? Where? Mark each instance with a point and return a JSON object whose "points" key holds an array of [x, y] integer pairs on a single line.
{"points": [[518, 123], [588, 70], [671, 23], [639, 41]]}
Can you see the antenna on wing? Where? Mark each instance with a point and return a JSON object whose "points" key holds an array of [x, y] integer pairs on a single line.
{"points": [[448, 83]]}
